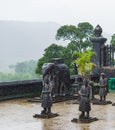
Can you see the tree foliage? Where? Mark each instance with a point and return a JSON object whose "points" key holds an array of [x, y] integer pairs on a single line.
{"points": [[24, 67], [83, 61], [21, 71], [78, 39], [78, 36], [113, 39], [53, 51]]}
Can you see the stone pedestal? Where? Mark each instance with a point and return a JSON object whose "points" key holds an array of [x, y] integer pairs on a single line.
{"points": [[46, 116], [98, 102], [85, 120], [113, 104]]}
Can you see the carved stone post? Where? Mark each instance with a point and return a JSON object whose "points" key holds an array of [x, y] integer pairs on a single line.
{"points": [[98, 43]]}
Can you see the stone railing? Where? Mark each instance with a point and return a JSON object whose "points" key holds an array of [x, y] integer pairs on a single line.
{"points": [[26, 88], [18, 89]]}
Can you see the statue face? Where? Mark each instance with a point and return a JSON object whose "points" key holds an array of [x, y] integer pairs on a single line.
{"points": [[86, 82], [103, 76]]}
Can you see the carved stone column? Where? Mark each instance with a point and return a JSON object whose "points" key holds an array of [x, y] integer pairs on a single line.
{"points": [[98, 42]]}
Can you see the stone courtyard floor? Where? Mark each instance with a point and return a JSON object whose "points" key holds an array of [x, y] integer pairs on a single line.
{"points": [[18, 115]]}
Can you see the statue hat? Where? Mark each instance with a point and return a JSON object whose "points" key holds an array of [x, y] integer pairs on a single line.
{"points": [[102, 74]]}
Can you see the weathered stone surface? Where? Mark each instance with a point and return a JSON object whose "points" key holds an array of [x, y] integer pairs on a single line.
{"points": [[51, 115], [113, 104], [87, 120], [17, 89], [97, 102], [18, 115]]}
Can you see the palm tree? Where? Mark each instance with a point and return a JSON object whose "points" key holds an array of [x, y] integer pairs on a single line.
{"points": [[84, 63]]}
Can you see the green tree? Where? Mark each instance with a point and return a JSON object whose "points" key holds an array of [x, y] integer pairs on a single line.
{"points": [[78, 39], [25, 67], [85, 65], [67, 56], [40, 62], [78, 36], [53, 51], [113, 39]]}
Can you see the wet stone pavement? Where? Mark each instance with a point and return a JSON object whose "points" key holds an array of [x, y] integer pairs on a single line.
{"points": [[18, 115]]}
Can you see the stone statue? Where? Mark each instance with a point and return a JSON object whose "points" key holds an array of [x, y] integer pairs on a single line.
{"points": [[46, 95], [62, 82], [103, 87], [86, 95], [98, 31], [60, 76]]}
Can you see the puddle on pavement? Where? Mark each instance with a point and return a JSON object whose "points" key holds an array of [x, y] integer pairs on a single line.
{"points": [[18, 115]]}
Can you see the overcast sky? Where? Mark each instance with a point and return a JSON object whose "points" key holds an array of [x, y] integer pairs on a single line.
{"points": [[61, 11]]}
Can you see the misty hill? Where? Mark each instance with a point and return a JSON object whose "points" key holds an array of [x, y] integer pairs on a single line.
{"points": [[22, 41]]}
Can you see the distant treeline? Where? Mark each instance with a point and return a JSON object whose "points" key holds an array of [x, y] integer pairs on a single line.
{"points": [[21, 71]]}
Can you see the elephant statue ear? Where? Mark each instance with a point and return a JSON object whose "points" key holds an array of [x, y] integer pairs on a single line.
{"points": [[47, 67]]}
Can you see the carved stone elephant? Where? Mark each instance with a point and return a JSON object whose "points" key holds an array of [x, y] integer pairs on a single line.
{"points": [[59, 76]]}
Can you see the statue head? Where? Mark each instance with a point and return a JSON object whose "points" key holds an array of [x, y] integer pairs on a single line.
{"points": [[102, 75], [98, 31], [86, 82]]}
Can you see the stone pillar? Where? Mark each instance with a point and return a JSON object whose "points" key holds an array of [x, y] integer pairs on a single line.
{"points": [[98, 42]]}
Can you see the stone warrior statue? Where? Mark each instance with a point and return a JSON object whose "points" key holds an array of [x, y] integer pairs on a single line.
{"points": [[46, 94], [86, 95], [103, 87]]}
